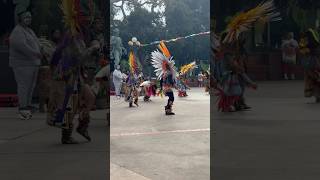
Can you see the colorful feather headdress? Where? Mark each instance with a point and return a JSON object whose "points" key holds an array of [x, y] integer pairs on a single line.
{"points": [[315, 35], [188, 67], [76, 14], [132, 63], [242, 22], [161, 60]]}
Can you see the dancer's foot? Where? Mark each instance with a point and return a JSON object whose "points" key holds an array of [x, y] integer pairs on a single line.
{"points": [[230, 109], [168, 110], [136, 103], [170, 113], [245, 107], [84, 133], [25, 114], [69, 140]]}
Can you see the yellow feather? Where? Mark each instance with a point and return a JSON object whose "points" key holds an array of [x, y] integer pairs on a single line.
{"points": [[186, 68], [244, 20], [69, 15]]}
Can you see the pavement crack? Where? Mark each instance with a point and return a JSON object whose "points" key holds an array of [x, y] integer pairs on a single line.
{"points": [[27, 134], [132, 171]]}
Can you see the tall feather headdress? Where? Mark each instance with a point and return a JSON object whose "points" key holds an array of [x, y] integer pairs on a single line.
{"points": [[76, 14], [315, 35], [265, 11], [188, 67], [132, 63], [161, 60], [163, 48]]}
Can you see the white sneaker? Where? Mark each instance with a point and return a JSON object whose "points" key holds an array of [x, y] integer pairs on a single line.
{"points": [[286, 77], [293, 77], [25, 114]]}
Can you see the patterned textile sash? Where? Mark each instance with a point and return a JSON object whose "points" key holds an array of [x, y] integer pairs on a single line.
{"points": [[231, 85], [309, 62]]}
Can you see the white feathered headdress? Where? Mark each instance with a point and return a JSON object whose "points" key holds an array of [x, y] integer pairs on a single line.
{"points": [[161, 60]]}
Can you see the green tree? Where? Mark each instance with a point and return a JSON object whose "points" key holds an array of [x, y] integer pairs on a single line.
{"points": [[144, 20]]}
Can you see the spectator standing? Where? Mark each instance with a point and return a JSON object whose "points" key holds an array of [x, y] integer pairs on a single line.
{"points": [[289, 47], [24, 59]]}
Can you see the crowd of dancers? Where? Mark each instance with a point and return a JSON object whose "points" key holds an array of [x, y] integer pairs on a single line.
{"points": [[132, 84], [230, 78]]}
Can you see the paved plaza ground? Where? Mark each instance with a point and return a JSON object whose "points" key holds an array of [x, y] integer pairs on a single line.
{"points": [[146, 144], [279, 139], [32, 150]]}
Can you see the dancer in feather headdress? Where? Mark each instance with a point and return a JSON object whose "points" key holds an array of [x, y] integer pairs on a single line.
{"points": [[309, 50], [230, 67], [206, 81], [165, 70], [182, 78], [133, 81], [182, 86], [69, 94]]}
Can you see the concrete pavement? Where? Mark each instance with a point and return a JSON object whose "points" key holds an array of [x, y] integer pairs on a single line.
{"points": [[32, 150], [279, 139], [146, 144]]}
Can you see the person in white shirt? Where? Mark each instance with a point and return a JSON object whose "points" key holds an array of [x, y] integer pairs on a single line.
{"points": [[25, 60], [200, 79], [117, 81], [289, 47]]}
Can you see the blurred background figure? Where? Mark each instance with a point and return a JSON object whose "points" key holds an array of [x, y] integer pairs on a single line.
{"points": [[44, 77], [289, 47], [25, 59], [117, 81], [200, 79]]}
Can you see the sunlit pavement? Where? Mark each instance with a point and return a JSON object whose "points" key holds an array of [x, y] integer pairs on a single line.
{"points": [[146, 144]]}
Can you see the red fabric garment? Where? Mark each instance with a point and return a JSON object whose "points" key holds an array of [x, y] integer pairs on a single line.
{"points": [[149, 91], [225, 102]]}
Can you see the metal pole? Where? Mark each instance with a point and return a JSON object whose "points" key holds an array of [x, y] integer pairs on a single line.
{"points": [[269, 34]]}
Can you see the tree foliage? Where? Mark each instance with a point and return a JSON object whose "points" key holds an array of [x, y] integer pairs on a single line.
{"points": [[178, 18]]}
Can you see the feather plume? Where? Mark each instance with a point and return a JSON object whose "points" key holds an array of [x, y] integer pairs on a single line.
{"points": [[315, 35], [69, 11], [243, 21], [188, 67], [159, 61], [132, 63], [163, 48]]}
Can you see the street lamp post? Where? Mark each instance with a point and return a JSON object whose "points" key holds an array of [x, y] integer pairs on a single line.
{"points": [[134, 46]]}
